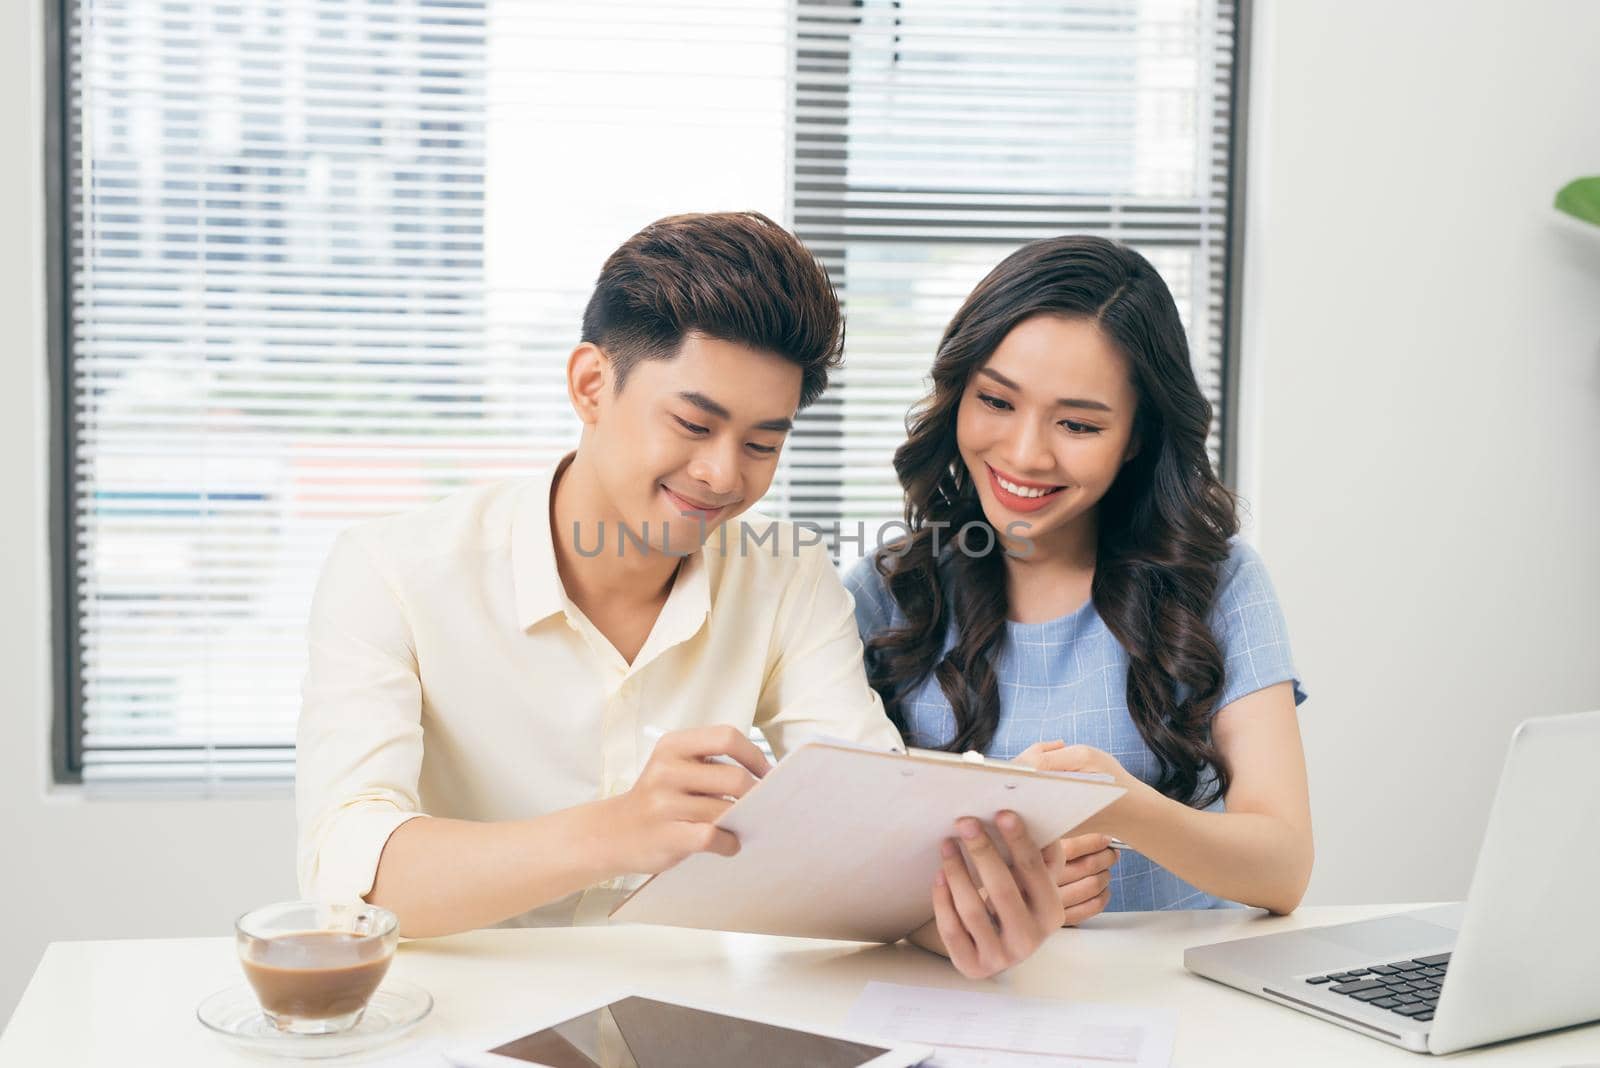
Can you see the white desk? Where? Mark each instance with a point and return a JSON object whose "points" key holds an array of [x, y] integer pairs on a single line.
{"points": [[132, 1002]]}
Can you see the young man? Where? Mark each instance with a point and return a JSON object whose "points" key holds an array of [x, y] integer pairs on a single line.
{"points": [[498, 662]]}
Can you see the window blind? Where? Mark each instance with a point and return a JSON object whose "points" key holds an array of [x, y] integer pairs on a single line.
{"points": [[326, 259], [934, 137]]}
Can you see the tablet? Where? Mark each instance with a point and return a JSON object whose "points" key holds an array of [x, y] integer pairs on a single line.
{"points": [[639, 1031]]}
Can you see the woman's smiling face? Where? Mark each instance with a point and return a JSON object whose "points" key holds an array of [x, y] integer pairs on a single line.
{"points": [[1045, 425]]}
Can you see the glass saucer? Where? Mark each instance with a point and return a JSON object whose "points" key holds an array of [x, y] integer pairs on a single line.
{"points": [[234, 1015]]}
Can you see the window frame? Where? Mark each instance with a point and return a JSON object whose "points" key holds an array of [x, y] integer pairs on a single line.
{"points": [[66, 733]]}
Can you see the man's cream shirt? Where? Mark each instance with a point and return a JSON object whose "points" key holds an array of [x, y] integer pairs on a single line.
{"points": [[451, 676]]}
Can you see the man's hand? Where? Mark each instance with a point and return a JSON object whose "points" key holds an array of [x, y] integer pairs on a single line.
{"points": [[1083, 876], [672, 810], [986, 931]]}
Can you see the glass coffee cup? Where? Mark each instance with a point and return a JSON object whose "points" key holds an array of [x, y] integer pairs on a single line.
{"points": [[314, 965]]}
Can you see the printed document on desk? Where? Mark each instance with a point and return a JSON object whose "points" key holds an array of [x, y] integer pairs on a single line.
{"points": [[973, 1030]]}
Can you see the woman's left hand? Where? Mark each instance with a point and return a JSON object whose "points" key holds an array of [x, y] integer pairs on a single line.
{"points": [[1059, 756]]}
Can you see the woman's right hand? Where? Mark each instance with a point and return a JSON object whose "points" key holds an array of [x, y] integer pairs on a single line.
{"points": [[1083, 876]]}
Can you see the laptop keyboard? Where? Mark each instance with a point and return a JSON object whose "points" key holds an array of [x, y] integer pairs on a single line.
{"points": [[1407, 987]]}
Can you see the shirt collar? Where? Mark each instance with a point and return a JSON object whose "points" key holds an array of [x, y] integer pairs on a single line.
{"points": [[688, 605], [533, 553], [539, 592]]}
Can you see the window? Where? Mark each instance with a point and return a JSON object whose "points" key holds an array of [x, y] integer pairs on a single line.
{"points": [[322, 260]]}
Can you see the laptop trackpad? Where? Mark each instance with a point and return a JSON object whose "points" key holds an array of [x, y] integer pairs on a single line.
{"points": [[1391, 935]]}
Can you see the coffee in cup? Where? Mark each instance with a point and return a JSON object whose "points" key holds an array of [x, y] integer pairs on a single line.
{"points": [[314, 966]]}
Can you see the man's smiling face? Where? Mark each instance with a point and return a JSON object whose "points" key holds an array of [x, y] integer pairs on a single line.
{"points": [[692, 440]]}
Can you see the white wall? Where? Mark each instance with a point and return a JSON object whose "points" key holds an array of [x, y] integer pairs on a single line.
{"points": [[76, 868], [1423, 347], [1423, 355]]}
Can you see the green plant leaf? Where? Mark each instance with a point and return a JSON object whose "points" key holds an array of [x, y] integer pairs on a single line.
{"points": [[1580, 198]]}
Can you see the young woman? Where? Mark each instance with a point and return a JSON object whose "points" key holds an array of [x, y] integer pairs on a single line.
{"points": [[1071, 594]]}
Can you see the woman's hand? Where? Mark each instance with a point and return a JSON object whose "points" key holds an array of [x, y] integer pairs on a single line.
{"points": [[1083, 877], [986, 931], [1059, 756]]}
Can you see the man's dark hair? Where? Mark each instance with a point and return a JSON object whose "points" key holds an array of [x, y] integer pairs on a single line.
{"points": [[733, 276]]}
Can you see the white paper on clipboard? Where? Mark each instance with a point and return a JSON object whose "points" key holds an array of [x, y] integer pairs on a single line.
{"points": [[841, 841]]}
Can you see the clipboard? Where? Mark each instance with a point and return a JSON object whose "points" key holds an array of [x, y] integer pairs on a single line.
{"points": [[842, 842]]}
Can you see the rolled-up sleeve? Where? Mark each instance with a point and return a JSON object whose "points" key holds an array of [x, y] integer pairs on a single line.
{"points": [[358, 751], [816, 683]]}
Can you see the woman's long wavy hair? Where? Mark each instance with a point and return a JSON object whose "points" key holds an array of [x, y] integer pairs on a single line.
{"points": [[1163, 525]]}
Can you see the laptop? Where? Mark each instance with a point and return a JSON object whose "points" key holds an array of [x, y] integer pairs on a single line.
{"points": [[1521, 955]]}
